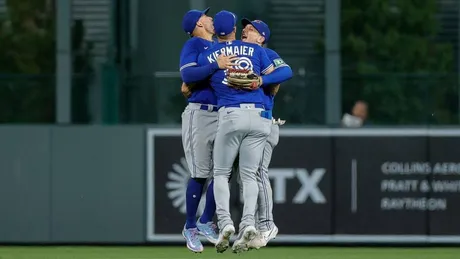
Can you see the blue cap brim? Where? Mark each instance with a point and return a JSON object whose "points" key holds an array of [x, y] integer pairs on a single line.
{"points": [[245, 21]]}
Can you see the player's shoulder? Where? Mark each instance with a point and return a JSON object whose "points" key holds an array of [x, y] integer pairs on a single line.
{"points": [[235, 42], [242, 43], [256, 47], [218, 44], [270, 51], [213, 47], [249, 44], [191, 42], [272, 55], [197, 43], [275, 58]]}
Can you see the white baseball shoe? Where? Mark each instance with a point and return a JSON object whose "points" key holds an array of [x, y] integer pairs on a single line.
{"points": [[241, 244], [263, 238], [224, 238]]}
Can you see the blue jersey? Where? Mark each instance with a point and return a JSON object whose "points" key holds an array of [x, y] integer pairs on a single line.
{"points": [[251, 57], [277, 63], [202, 92]]}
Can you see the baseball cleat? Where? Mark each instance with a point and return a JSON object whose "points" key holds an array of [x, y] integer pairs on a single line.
{"points": [[192, 240], [257, 242], [208, 230], [241, 244], [224, 238], [263, 238]]}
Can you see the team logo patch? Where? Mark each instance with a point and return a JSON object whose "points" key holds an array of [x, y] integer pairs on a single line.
{"points": [[278, 62]]}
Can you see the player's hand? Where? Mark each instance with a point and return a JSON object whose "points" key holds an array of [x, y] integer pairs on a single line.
{"points": [[185, 90], [226, 62], [274, 89]]}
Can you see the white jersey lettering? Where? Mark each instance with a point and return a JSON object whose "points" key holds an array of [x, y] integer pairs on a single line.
{"points": [[245, 50], [210, 59], [251, 52], [231, 50]]}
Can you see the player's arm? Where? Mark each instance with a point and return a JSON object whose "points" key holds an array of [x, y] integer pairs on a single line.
{"points": [[189, 69], [192, 71], [267, 66], [278, 76], [197, 73], [282, 72]]}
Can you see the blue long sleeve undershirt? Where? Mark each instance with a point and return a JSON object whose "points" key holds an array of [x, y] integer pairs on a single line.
{"points": [[278, 76], [198, 73]]}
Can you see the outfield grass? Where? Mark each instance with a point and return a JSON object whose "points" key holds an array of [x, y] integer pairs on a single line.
{"points": [[265, 253]]}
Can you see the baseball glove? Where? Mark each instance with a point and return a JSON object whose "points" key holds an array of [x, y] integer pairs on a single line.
{"points": [[243, 79]]}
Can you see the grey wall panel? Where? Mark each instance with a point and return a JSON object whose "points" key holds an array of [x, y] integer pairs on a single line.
{"points": [[98, 184], [24, 184]]}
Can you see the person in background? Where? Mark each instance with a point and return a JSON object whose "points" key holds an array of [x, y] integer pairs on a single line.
{"points": [[358, 116]]}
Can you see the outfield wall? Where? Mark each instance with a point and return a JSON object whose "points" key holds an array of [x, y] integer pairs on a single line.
{"points": [[125, 184]]}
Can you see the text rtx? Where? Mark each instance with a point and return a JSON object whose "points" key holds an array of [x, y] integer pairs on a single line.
{"points": [[308, 184]]}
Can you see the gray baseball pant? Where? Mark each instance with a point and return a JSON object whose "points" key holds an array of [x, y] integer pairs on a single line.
{"points": [[264, 213], [241, 131], [198, 133]]}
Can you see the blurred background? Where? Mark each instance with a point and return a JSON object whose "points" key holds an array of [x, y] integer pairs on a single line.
{"points": [[90, 109], [120, 59]]}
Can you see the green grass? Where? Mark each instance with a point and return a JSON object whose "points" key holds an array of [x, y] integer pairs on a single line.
{"points": [[264, 253]]}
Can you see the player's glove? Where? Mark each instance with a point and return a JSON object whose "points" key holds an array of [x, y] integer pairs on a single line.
{"points": [[243, 79]]}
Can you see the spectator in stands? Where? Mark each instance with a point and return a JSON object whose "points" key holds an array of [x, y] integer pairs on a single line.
{"points": [[358, 116]]}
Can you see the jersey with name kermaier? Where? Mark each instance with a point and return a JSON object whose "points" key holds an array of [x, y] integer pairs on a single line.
{"points": [[249, 56]]}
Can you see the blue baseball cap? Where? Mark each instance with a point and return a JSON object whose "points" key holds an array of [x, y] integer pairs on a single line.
{"points": [[191, 18], [260, 26], [224, 22]]}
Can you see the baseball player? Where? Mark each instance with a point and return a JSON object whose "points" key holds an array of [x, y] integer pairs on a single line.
{"points": [[199, 125], [258, 32], [242, 129]]}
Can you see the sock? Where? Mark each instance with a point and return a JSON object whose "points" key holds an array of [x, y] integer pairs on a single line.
{"points": [[192, 201], [210, 206]]}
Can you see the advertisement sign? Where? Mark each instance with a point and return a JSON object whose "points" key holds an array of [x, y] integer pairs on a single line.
{"points": [[300, 174], [372, 186], [444, 185], [167, 178], [332, 186]]}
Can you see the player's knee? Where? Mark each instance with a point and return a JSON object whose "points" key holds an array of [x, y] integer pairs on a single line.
{"points": [[200, 180], [227, 172], [205, 174]]}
